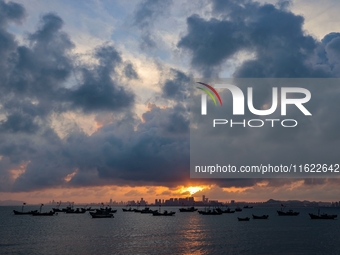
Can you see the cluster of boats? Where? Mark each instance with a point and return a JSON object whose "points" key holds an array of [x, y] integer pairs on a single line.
{"points": [[255, 217], [318, 216], [108, 212], [95, 213], [147, 210], [282, 212]]}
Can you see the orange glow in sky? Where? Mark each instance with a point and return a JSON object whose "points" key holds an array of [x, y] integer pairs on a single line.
{"points": [[192, 189]]}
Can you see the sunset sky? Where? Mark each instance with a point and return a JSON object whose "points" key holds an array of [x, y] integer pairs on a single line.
{"points": [[94, 94]]}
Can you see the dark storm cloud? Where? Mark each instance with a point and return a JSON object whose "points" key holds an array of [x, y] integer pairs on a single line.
{"points": [[156, 153], [17, 122], [98, 90], [211, 42], [11, 12], [176, 88], [280, 48], [275, 36], [44, 78], [146, 13]]}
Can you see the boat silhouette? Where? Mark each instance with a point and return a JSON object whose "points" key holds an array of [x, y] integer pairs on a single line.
{"points": [[323, 216], [101, 216], [238, 209], [22, 211], [165, 213], [189, 209], [128, 210], [147, 210], [262, 217], [224, 211], [50, 213], [76, 211], [288, 213], [210, 212], [243, 219]]}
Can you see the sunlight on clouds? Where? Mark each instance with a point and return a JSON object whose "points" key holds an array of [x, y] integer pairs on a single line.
{"points": [[262, 183], [65, 123], [236, 190], [192, 189], [295, 185], [70, 176], [21, 169]]}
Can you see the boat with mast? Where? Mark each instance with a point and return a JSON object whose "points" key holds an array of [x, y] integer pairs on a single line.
{"points": [[287, 213], [102, 216], [189, 209], [224, 211], [238, 209], [50, 213], [243, 219], [165, 213], [210, 212], [128, 210], [22, 211], [262, 217], [323, 216]]}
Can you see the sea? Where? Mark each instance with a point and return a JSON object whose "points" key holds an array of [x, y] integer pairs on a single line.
{"points": [[185, 233]]}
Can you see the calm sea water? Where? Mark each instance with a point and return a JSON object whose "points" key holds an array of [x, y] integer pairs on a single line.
{"points": [[184, 233]]}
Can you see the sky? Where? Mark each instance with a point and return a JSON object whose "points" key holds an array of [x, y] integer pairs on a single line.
{"points": [[94, 94]]}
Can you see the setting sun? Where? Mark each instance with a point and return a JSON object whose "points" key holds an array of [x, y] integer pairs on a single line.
{"points": [[192, 189]]}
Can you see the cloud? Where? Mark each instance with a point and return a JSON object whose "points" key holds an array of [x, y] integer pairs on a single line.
{"points": [[281, 49], [98, 91], [11, 12], [145, 15], [274, 35], [176, 88], [130, 72]]}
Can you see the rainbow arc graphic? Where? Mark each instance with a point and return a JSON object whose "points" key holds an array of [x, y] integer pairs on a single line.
{"points": [[209, 92]]}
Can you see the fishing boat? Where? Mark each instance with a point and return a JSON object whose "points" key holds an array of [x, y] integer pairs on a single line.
{"points": [[224, 211], [243, 219], [262, 217], [165, 213], [76, 211], [68, 208], [57, 209], [238, 209], [50, 213], [148, 210], [189, 209], [288, 213], [101, 216], [22, 211], [107, 210], [323, 216], [128, 210], [210, 212]]}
